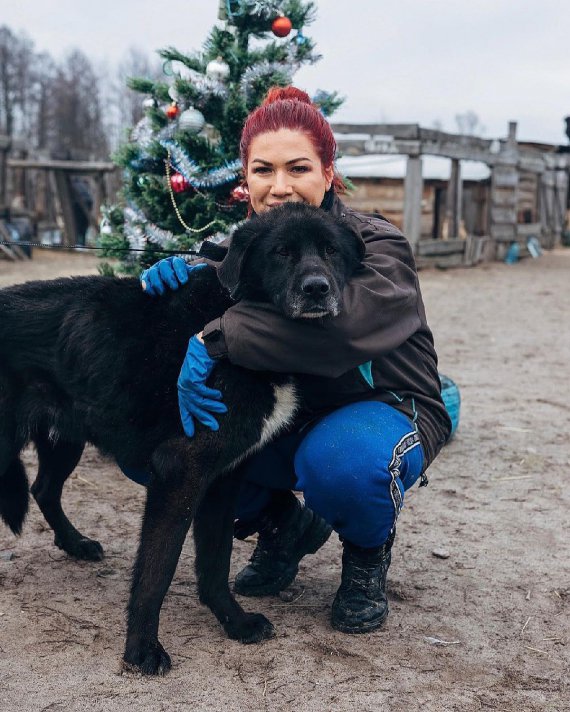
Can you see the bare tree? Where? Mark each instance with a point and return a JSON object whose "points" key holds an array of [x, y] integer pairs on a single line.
{"points": [[125, 105], [76, 110], [469, 124]]}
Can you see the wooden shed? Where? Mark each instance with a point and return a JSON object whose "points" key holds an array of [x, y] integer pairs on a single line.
{"points": [[492, 192]]}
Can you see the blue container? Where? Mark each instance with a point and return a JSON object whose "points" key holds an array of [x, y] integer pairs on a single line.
{"points": [[452, 401]]}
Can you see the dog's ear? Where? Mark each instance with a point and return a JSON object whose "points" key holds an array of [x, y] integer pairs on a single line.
{"points": [[356, 241], [230, 271]]}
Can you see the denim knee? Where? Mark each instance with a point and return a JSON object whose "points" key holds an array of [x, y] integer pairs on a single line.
{"points": [[350, 468]]}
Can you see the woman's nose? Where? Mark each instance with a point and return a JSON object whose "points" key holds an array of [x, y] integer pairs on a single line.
{"points": [[281, 184]]}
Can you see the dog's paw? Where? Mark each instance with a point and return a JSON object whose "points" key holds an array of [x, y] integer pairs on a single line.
{"points": [[251, 628], [149, 659], [81, 548]]}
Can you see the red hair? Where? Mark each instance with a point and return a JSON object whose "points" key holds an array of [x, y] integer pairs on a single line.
{"points": [[291, 108]]}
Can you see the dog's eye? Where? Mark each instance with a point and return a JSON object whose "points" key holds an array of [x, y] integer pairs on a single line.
{"points": [[329, 249], [283, 251]]}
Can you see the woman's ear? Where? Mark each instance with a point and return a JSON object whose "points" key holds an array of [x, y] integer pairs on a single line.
{"points": [[230, 270], [329, 176]]}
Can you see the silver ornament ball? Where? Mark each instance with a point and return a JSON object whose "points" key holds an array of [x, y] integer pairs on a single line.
{"points": [[217, 69], [191, 120]]}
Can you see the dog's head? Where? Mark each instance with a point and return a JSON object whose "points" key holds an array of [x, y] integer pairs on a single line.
{"points": [[296, 256]]}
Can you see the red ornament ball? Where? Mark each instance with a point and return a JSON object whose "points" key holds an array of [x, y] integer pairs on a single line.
{"points": [[178, 183], [240, 194], [172, 111], [281, 26]]}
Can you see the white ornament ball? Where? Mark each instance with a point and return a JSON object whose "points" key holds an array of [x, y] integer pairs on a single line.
{"points": [[191, 120], [217, 69], [149, 103]]}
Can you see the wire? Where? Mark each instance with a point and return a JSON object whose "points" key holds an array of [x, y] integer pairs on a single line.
{"points": [[80, 248]]}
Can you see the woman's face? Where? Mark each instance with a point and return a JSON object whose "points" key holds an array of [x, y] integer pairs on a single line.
{"points": [[283, 166]]}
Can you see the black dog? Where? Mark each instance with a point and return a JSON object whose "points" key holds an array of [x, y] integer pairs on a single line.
{"points": [[94, 359]]}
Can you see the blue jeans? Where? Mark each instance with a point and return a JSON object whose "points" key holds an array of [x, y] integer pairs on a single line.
{"points": [[353, 467]]}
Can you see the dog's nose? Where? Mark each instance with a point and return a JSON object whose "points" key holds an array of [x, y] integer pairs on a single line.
{"points": [[315, 286]]}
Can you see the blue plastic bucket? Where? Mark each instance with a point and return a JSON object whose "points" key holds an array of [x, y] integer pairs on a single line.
{"points": [[452, 400]]}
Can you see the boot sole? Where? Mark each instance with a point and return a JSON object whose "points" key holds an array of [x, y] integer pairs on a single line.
{"points": [[364, 627], [368, 627], [271, 589]]}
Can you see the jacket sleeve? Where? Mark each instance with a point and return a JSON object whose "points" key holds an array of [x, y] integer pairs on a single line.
{"points": [[380, 313]]}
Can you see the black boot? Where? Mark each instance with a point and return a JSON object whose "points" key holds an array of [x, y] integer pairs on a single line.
{"points": [[287, 532], [360, 605]]}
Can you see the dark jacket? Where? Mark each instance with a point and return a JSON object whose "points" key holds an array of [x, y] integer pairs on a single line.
{"points": [[383, 322]]}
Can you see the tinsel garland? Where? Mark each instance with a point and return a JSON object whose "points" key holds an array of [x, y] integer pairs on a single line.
{"points": [[197, 177], [267, 9], [139, 231], [263, 69], [205, 86], [267, 68]]}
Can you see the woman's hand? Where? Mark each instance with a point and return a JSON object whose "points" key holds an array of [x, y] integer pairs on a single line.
{"points": [[195, 399], [169, 273]]}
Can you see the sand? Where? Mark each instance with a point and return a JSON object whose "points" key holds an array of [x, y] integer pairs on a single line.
{"points": [[497, 502]]}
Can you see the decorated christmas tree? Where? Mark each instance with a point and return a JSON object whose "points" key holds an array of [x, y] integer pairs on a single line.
{"points": [[181, 167]]}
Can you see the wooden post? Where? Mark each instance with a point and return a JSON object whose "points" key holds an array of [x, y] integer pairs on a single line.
{"points": [[413, 188], [64, 193], [3, 177], [504, 194], [453, 211]]}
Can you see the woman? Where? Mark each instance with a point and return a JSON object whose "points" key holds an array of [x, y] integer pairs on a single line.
{"points": [[372, 418]]}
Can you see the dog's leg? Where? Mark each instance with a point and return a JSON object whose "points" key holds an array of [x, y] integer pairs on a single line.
{"points": [[213, 535], [14, 492], [170, 505], [56, 462]]}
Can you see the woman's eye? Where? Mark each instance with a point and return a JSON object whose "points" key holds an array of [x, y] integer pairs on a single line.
{"points": [[300, 169], [283, 251], [329, 249], [261, 169]]}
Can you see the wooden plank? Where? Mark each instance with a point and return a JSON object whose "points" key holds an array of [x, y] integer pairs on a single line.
{"points": [[402, 131], [505, 178], [503, 215], [529, 229], [13, 251], [7, 252], [503, 232], [503, 197], [74, 166], [427, 248]]}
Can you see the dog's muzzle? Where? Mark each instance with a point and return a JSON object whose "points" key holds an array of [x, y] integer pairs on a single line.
{"points": [[314, 297]]}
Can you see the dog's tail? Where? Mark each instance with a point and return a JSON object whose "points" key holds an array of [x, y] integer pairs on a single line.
{"points": [[14, 495]]}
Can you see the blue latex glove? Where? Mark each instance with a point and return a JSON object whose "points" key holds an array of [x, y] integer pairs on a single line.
{"points": [[195, 399], [169, 273]]}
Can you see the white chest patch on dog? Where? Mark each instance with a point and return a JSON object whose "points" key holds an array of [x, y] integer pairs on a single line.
{"points": [[286, 403], [283, 412]]}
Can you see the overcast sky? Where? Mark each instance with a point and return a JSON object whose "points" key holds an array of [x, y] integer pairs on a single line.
{"points": [[410, 61]]}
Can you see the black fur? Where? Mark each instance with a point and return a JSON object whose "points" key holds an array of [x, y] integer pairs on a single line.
{"points": [[94, 359]]}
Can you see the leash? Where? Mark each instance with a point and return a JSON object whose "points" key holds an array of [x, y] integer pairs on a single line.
{"points": [[81, 248]]}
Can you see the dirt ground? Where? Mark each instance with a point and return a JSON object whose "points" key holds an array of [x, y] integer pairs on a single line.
{"points": [[498, 502]]}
